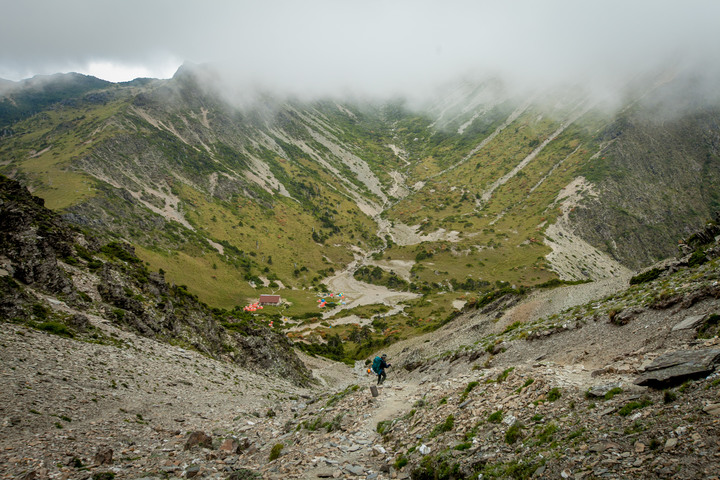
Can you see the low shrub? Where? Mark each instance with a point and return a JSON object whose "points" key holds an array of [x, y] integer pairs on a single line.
{"points": [[709, 327], [443, 427], [648, 276], [383, 426], [612, 392], [275, 451], [547, 434], [554, 394], [628, 408], [468, 389], [502, 376], [513, 433], [55, 328], [437, 468], [495, 417]]}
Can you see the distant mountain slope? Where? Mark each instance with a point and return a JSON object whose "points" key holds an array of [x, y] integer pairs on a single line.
{"points": [[657, 177], [19, 100], [469, 190]]}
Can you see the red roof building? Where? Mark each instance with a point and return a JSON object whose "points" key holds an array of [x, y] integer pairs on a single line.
{"points": [[269, 300]]}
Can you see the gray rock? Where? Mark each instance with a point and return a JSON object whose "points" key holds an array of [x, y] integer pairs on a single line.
{"points": [[712, 409], [689, 322], [601, 390], [355, 469], [675, 367]]}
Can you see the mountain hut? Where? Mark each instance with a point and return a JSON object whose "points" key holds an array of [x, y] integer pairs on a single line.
{"points": [[270, 300]]}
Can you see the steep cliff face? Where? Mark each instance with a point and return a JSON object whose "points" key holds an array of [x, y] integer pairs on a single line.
{"points": [[55, 276]]}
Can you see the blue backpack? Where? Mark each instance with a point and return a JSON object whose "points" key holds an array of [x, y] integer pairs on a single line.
{"points": [[376, 365]]}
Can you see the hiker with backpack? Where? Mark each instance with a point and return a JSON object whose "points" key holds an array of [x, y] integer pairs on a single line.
{"points": [[379, 365]]}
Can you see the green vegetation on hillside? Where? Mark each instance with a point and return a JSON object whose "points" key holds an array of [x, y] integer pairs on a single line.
{"points": [[235, 202]]}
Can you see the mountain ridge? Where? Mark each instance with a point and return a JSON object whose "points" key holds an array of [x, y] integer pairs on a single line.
{"points": [[466, 194]]}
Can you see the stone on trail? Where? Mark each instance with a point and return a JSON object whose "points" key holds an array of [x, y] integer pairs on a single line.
{"points": [[355, 469], [712, 409]]}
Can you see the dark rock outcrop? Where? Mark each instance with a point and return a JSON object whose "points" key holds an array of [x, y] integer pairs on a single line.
{"points": [[676, 367], [33, 239]]}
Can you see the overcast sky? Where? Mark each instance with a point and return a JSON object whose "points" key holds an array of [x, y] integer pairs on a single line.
{"points": [[378, 46]]}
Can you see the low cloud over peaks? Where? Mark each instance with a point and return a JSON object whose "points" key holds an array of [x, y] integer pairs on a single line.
{"points": [[378, 48]]}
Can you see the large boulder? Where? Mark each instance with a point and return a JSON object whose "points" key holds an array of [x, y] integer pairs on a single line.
{"points": [[675, 367]]}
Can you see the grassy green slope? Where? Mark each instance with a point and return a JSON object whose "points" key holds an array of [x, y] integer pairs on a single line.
{"points": [[502, 239], [267, 186], [169, 153]]}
